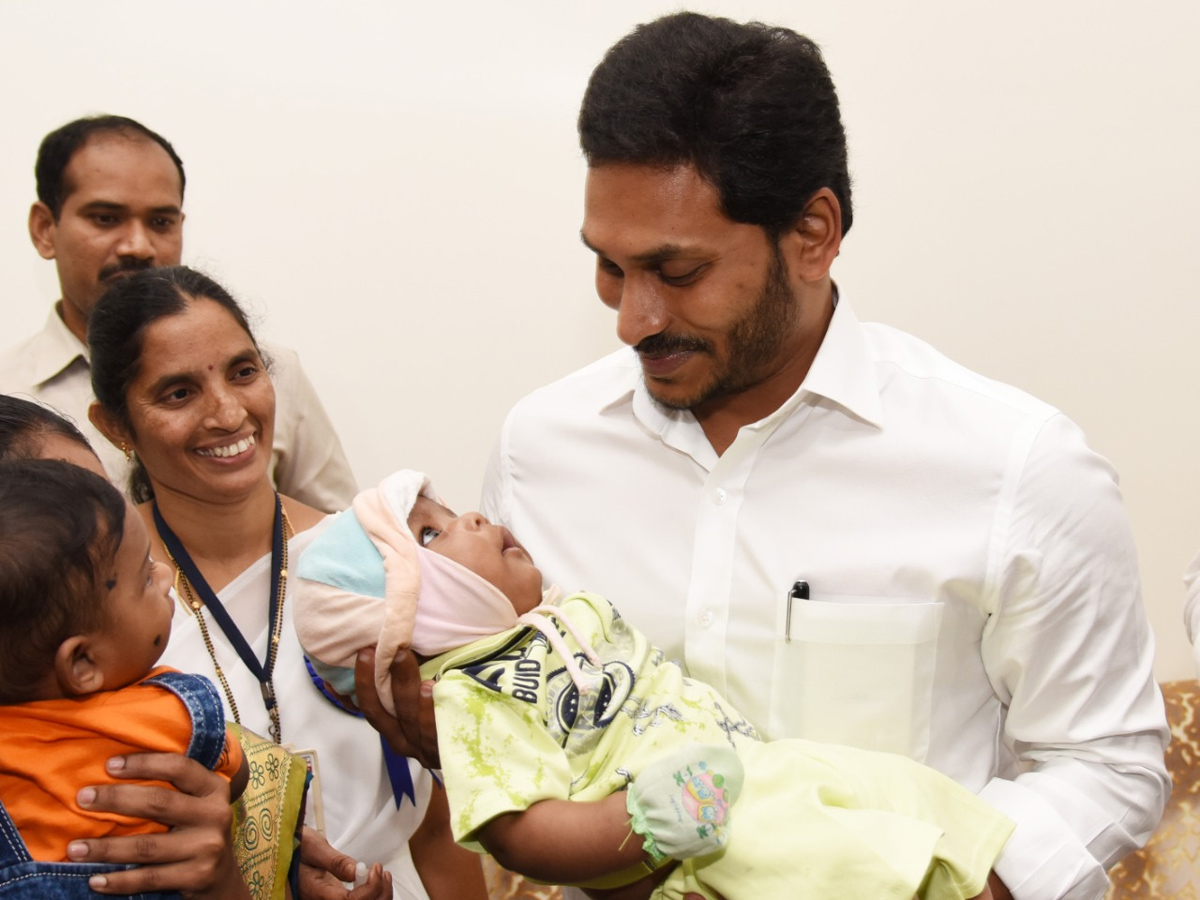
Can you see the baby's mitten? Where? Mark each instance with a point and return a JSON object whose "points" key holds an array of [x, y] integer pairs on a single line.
{"points": [[680, 803]]}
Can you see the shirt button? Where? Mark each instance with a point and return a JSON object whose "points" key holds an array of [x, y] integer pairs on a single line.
{"points": [[706, 618], [719, 496]]}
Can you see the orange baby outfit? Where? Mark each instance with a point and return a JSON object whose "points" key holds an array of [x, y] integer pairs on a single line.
{"points": [[49, 749]]}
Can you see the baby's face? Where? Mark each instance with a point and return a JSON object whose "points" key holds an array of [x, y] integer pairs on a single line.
{"points": [[490, 551], [138, 608]]}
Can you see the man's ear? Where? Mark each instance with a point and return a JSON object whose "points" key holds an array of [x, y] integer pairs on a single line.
{"points": [[77, 670], [42, 229], [812, 244], [107, 424]]}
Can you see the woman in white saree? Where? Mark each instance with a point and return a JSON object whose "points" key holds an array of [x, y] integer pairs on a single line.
{"points": [[181, 385]]}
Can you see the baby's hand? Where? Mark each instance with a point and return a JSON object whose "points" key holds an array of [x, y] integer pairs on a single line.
{"points": [[680, 804]]}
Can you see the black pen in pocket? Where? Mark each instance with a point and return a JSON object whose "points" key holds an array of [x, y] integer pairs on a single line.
{"points": [[799, 591]]}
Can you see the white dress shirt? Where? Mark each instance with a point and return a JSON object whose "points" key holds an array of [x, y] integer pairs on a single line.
{"points": [[1191, 607], [973, 593], [307, 460]]}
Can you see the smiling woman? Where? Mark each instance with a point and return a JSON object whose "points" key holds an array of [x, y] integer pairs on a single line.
{"points": [[181, 384], [196, 402]]}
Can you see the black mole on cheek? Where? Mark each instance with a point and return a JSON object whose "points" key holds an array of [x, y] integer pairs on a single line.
{"points": [[157, 639]]}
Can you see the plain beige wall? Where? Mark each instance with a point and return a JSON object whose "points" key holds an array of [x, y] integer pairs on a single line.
{"points": [[395, 189]]}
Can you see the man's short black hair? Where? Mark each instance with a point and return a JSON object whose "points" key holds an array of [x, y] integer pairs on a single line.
{"points": [[751, 106], [63, 143]]}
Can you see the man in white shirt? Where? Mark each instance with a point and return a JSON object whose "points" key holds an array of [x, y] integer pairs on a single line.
{"points": [[852, 537], [110, 201]]}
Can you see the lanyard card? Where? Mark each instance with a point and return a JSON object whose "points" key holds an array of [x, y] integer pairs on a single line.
{"points": [[314, 810]]}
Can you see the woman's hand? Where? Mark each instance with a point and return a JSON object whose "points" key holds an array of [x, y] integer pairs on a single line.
{"points": [[412, 732], [323, 869], [195, 857]]}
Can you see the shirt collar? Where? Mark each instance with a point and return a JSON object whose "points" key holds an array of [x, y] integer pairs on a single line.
{"points": [[57, 348], [843, 372], [844, 368]]}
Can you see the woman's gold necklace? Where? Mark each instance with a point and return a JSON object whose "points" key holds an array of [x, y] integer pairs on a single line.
{"points": [[183, 588]]}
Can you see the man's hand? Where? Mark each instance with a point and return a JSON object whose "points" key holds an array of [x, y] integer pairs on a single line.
{"points": [[412, 732], [195, 857], [323, 871]]}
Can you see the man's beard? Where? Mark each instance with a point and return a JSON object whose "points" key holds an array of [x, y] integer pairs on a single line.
{"points": [[752, 343]]}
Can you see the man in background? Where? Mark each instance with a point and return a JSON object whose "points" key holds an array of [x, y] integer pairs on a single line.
{"points": [[110, 202], [852, 537]]}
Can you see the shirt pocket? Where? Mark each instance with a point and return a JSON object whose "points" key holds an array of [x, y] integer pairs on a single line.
{"points": [[858, 671]]}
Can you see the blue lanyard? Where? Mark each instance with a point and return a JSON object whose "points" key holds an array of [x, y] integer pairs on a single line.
{"points": [[261, 670], [396, 765]]}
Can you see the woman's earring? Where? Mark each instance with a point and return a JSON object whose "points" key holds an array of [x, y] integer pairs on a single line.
{"points": [[125, 450]]}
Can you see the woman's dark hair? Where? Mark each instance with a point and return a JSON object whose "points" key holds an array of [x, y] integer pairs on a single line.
{"points": [[752, 107], [25, 425], [116, 331], [59, 525]]}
